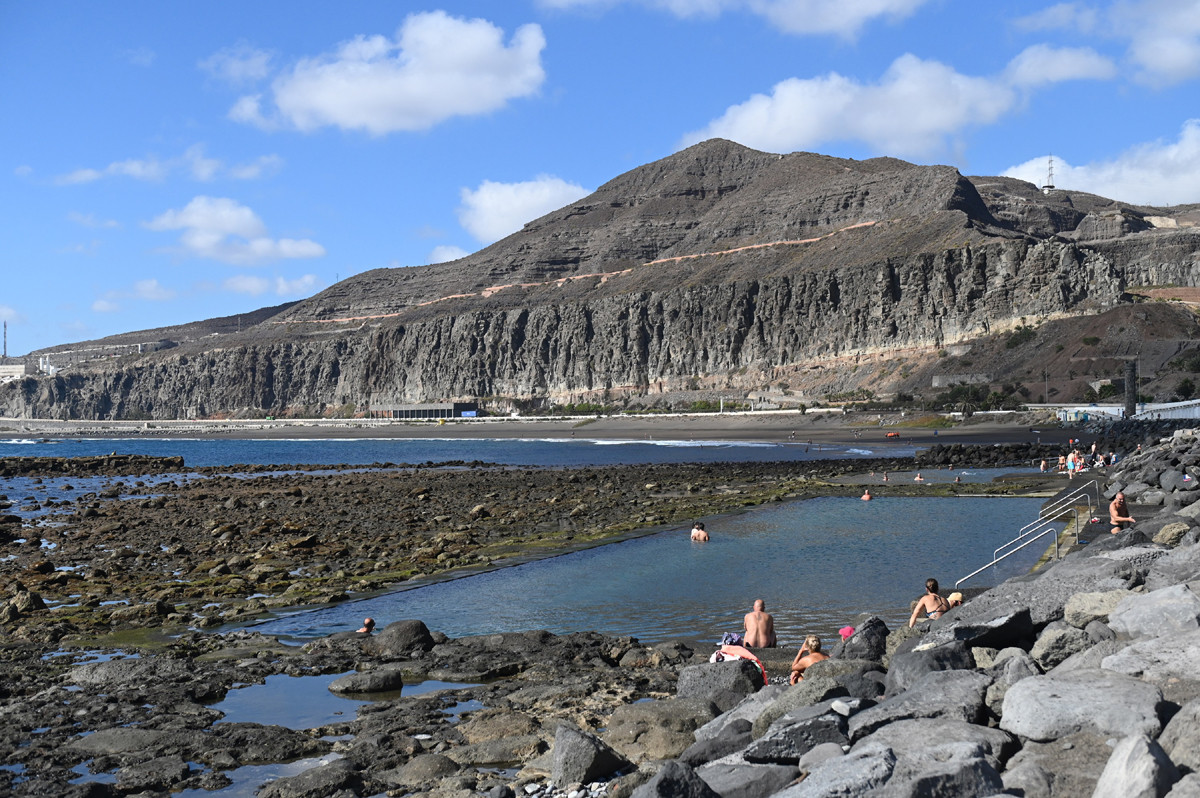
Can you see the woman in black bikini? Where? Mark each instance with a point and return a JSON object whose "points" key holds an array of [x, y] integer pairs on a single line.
{"points": [[933, 604]]}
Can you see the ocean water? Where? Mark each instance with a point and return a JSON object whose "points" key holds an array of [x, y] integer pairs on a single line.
{"points": [[504, 451], [817, 564]]}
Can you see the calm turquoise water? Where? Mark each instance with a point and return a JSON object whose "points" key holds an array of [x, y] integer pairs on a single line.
{"points": [[816, 563]]}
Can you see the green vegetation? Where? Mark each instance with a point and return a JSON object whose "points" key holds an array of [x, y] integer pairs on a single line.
{"points": [[1091, 340], [1022, 335]]}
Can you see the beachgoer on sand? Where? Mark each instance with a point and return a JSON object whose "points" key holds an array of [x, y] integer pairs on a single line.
{"points": [[759, 627], [932, 604]]}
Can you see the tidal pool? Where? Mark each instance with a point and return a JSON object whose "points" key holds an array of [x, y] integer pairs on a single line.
{"points": [[817, 563]]}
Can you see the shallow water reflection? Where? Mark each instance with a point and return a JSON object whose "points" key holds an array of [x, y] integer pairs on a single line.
{"points": [[816, 563]]}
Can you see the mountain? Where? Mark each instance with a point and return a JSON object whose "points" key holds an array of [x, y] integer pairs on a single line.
{"points": [[716, 270]]}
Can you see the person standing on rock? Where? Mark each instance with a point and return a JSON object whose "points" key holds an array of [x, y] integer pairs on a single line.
{"points": [[759, 626], [932, 603], [1118, 513], [810, 653]]}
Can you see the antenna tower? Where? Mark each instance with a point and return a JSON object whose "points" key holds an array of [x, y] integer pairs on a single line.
{"points": [[1046, 189]]}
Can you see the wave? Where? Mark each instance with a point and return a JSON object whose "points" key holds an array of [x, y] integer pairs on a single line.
{"points": [[687, 444], [20, 442]]}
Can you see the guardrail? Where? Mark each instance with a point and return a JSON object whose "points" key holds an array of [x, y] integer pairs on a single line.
{"points": [[1044, 525]]}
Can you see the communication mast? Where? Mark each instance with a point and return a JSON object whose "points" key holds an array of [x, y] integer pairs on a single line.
{"points": [[1049, 186]]}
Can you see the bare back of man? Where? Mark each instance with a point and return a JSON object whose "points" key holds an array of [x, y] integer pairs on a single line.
{"points": [[759, 626]]}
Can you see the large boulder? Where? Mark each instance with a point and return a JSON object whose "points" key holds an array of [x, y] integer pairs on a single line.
{"points": [[1181, 565], [910, 667], [675, 780], [1138, 767], [1161, 612], [797, 733], [1097, 701], [1058, 641], [1181, 737], [1083, 608], [726, 683], [869, 641], [580, 757], [1168, 662], [956, 695], [400, 639], [744, 780], [802, 694], [861, 678], [860, 772], [1067, 766], [376, 680], [733, 737], [749, 709], [658, 729]]}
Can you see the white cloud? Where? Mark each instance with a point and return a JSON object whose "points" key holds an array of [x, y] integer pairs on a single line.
{"points": [[151, 290], [825, 17], [223, 229], [238, 65], [24, 170], [1155, 173], [255, 286], [201, 166], [446, 253], [139, 169], [1164, 38], [437, 67], [916, 109], [791, 16], [10, 314], [263, 165], [495, 210], [194, 160], [89, 220], [298, 287], [1062, 16], [1041, 64]]}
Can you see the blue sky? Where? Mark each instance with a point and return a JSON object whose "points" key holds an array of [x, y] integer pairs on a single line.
{"points": [[168, 162]]}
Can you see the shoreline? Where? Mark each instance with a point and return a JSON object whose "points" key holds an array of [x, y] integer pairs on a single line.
{"points": [[787, 427]]}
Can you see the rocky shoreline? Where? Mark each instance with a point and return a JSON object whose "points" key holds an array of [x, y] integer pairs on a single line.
{"points": [[957, 706]]}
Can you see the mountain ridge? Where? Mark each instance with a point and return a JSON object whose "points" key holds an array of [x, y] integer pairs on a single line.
{"points": [[718, 265]]}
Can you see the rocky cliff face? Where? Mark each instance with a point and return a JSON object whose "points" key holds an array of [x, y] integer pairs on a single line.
{"points": [[718, 264]]}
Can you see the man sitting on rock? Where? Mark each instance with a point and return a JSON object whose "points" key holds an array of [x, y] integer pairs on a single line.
{"points": [[809, 654], [1118, 513], [760, 627]]}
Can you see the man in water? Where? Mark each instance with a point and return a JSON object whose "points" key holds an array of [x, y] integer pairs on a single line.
{"points": [[809, 654], [368, 626], [1118, 513], [866, 495], [698, 532], [931, 603], [760, 627]]}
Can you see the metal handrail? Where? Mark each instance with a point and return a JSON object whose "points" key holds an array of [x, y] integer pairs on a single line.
{"points": [[1042, 526], [1011, 553]]}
